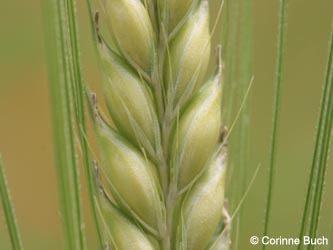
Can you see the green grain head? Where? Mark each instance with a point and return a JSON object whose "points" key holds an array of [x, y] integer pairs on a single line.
{"points": [[160, 156]]}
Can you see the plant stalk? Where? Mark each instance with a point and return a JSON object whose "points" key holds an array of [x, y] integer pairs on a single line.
{"points": [[8, 209], [276, 114]]}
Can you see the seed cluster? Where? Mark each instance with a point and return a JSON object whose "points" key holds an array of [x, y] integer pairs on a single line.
{"points": [[163, 164]]}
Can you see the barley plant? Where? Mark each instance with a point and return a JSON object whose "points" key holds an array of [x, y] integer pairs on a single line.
{"points": [[160, 181], [163, 162], [170, 170]]}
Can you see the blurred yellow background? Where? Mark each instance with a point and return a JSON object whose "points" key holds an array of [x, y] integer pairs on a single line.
{"points": [[26, 132]]}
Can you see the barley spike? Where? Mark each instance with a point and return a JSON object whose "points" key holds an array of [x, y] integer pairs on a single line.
{"points": [[163, 164]]}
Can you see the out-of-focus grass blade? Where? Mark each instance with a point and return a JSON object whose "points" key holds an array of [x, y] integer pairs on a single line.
{"points": [[245, 74], [230, 51], [276, 114], [8, 209], [79, 98], [241, 141], [315, 187], [237, 27], [61, 76]]}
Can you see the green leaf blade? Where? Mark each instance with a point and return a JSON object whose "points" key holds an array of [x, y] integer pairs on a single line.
{"points": [[61, 76], [276, 115], [8, 209]]}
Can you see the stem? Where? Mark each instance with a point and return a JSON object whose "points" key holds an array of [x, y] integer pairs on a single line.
{"points": [[165, 115], [171, 199], [245, 79], [81, 118], [61, 76], [245, 62], [319, 185], [318, 143], [230, 57], [232, 18], [169, 176], [276, 112], [8, 209]]}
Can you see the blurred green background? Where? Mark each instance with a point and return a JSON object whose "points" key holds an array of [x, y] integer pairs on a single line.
{"points": [[26, 132]]}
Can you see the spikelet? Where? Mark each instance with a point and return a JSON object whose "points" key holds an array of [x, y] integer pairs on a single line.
{"points": [[130, 102], [132, 31], [177, 11], [203, 206], [197, 133], [163, 168], [121, 233], [132, 178], [189, 54]]}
